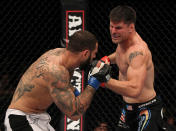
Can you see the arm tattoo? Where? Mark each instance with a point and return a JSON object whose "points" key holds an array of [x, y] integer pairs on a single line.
{"points": [[134, 54], [86, 98], [60, 92], [79, 107], [56, 52], [62, 97]]}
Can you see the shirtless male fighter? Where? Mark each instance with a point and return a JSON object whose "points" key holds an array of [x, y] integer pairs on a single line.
{"points": [[142, 107], [47, 80]]}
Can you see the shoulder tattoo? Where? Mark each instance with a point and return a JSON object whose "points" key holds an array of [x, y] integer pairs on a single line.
{"points": [[134, 54], [60, 76], [56, 52], [42, 67]]}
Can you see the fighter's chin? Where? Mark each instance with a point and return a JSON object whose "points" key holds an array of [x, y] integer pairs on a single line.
{"points": [[115, 41]]}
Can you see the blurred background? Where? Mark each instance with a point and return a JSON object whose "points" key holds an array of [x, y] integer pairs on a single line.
{"points": [[28, 28]]}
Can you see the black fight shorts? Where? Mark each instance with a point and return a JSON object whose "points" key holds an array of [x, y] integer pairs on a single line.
{"points": [[146, 116]]}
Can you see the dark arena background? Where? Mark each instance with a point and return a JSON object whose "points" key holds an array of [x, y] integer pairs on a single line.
{"points": [[28, 28]]}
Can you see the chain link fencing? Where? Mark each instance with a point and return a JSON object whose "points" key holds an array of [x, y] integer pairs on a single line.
{"points": [[29, 28]]}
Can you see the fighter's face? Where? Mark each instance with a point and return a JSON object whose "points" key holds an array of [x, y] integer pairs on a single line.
{"points": [[119, 31], [90, 58], [94, 52], [86, 63]]}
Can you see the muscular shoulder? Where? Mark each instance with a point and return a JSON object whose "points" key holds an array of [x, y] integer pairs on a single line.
{"points": [[58, 70], [139, 51], [59, 76], [49, 59], [46, 65], [56, 51], [52, 74]]}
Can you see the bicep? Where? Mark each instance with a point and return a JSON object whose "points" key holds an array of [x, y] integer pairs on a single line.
{"points": [[63, 98], [137, 75], [137, 71]]}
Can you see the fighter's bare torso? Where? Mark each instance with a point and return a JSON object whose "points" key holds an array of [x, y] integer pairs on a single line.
{"points": [[32, 93], [123, 59]]}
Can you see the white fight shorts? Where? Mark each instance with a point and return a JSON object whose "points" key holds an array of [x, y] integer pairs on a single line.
{"points": [[18, 120]]}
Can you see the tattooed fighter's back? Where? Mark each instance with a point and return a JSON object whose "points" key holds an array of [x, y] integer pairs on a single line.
{"points": [[32, 93]]}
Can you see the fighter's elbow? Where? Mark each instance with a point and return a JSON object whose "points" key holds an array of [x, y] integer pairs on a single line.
{"points": [[74, 115], [136, 91]]}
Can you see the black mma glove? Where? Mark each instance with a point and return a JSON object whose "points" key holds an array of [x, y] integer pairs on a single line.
{"points": [[100, 72]]}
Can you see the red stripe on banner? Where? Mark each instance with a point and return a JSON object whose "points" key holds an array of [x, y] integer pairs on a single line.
{"points": [[83, 19]]}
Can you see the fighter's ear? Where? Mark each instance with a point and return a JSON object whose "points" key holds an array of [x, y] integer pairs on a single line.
{"points": [[86, 53], [131, 27]]}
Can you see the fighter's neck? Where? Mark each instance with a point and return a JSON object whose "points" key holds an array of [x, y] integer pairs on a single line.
{"points": [[69, 60], [124, 45]]}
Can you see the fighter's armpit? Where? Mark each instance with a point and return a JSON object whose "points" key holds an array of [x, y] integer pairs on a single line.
{"points": [[135, 54]]}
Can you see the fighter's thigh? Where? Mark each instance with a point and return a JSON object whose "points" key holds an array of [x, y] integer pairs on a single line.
{"points": [[18, 122]]}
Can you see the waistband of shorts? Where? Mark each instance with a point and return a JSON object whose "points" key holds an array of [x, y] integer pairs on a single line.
{"points": [[135, 106], [44, 115], [15, 111]]}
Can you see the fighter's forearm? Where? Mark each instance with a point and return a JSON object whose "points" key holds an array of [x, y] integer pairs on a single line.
{"points": [[125, 88], [82, 102], [72, 106]]}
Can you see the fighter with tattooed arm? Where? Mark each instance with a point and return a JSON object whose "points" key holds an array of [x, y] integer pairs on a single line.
{"points": [[47, 80], [142, 107]]}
